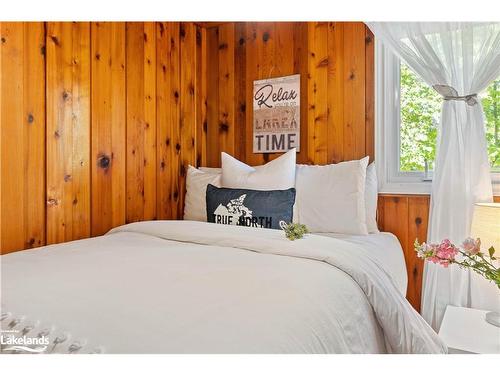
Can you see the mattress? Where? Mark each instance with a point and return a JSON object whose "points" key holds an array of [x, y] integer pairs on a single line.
{"points": [[192, 287]]}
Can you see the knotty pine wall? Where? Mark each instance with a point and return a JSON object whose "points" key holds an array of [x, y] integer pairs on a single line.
{"points": [[98, 124], [335, 60]]}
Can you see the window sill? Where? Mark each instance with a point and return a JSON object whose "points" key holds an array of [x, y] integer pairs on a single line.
{"points": [[423, 187]]}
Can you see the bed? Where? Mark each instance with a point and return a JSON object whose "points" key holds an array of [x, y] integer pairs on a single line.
{"points": [[197, 287]]}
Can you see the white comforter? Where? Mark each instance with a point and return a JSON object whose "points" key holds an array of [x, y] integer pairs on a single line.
{"points": [[190, 287]]}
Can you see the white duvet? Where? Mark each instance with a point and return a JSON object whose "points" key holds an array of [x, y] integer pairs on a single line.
{"points": [[192, 287]]}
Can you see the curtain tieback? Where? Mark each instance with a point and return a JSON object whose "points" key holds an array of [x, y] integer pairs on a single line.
{"points": [[449, 93]]}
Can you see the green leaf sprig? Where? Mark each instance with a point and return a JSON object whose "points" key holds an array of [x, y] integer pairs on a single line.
{"points": [[294, 231]]}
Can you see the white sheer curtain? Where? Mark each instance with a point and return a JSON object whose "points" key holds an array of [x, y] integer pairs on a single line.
{"points": [[459, 60]]}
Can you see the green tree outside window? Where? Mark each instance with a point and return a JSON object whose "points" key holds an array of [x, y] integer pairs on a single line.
{"points": [[420, 111]]}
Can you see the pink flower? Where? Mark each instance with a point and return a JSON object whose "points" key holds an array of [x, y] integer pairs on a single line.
{"points": [[434, 259], [446, 253], [443, 254], [471, 246]]}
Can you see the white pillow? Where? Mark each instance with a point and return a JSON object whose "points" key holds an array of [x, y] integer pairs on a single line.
{"points": [[195, 206], [371, 198], [331, 198], [210, 170], [278, 174]]}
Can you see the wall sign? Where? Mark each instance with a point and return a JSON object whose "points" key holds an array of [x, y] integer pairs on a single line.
{"points": [[276, 114]]}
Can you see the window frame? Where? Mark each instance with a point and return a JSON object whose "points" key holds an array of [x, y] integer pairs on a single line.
{"points": [[387, 131]]}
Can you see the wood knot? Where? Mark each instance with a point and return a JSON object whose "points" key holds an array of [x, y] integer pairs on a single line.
{"points": [[182, 32], [241, 41], [65, 95], [75, 201], [162, 28], [368, 39], [67, 177], [52, 202], [205, 126], [97, 56], [352, 76], [176, 195], [145, 38], [30, 118], [415, 272], [103, 161], [177, 147], [265, 36], [223, 127], [243, 107], [183, 170], [162, 164], [418, 221], [167, 141], [55, 40], [176, 94], [3, 40], [323, 62], [222, 46], [31, 242], [43, 50]]}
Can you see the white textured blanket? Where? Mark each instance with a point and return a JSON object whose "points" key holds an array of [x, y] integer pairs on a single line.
{"points": [[190, 287]]}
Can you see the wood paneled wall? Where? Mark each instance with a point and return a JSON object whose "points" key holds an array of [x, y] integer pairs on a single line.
{"points": [[406, 216], [335, 61], [22, 136], [98, 124]]}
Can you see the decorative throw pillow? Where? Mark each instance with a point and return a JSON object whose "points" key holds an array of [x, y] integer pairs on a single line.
{"points": [[331, 198], [278, 174], [196, 187], [251, 208]]}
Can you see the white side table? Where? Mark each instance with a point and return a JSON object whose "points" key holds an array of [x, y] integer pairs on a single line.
{"points": [[465, 331]]}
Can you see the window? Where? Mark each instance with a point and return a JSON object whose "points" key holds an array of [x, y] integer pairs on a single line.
{"points": [[408, 112]]}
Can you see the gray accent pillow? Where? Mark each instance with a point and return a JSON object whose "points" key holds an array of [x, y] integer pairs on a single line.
{"points": [[251, 208]]}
